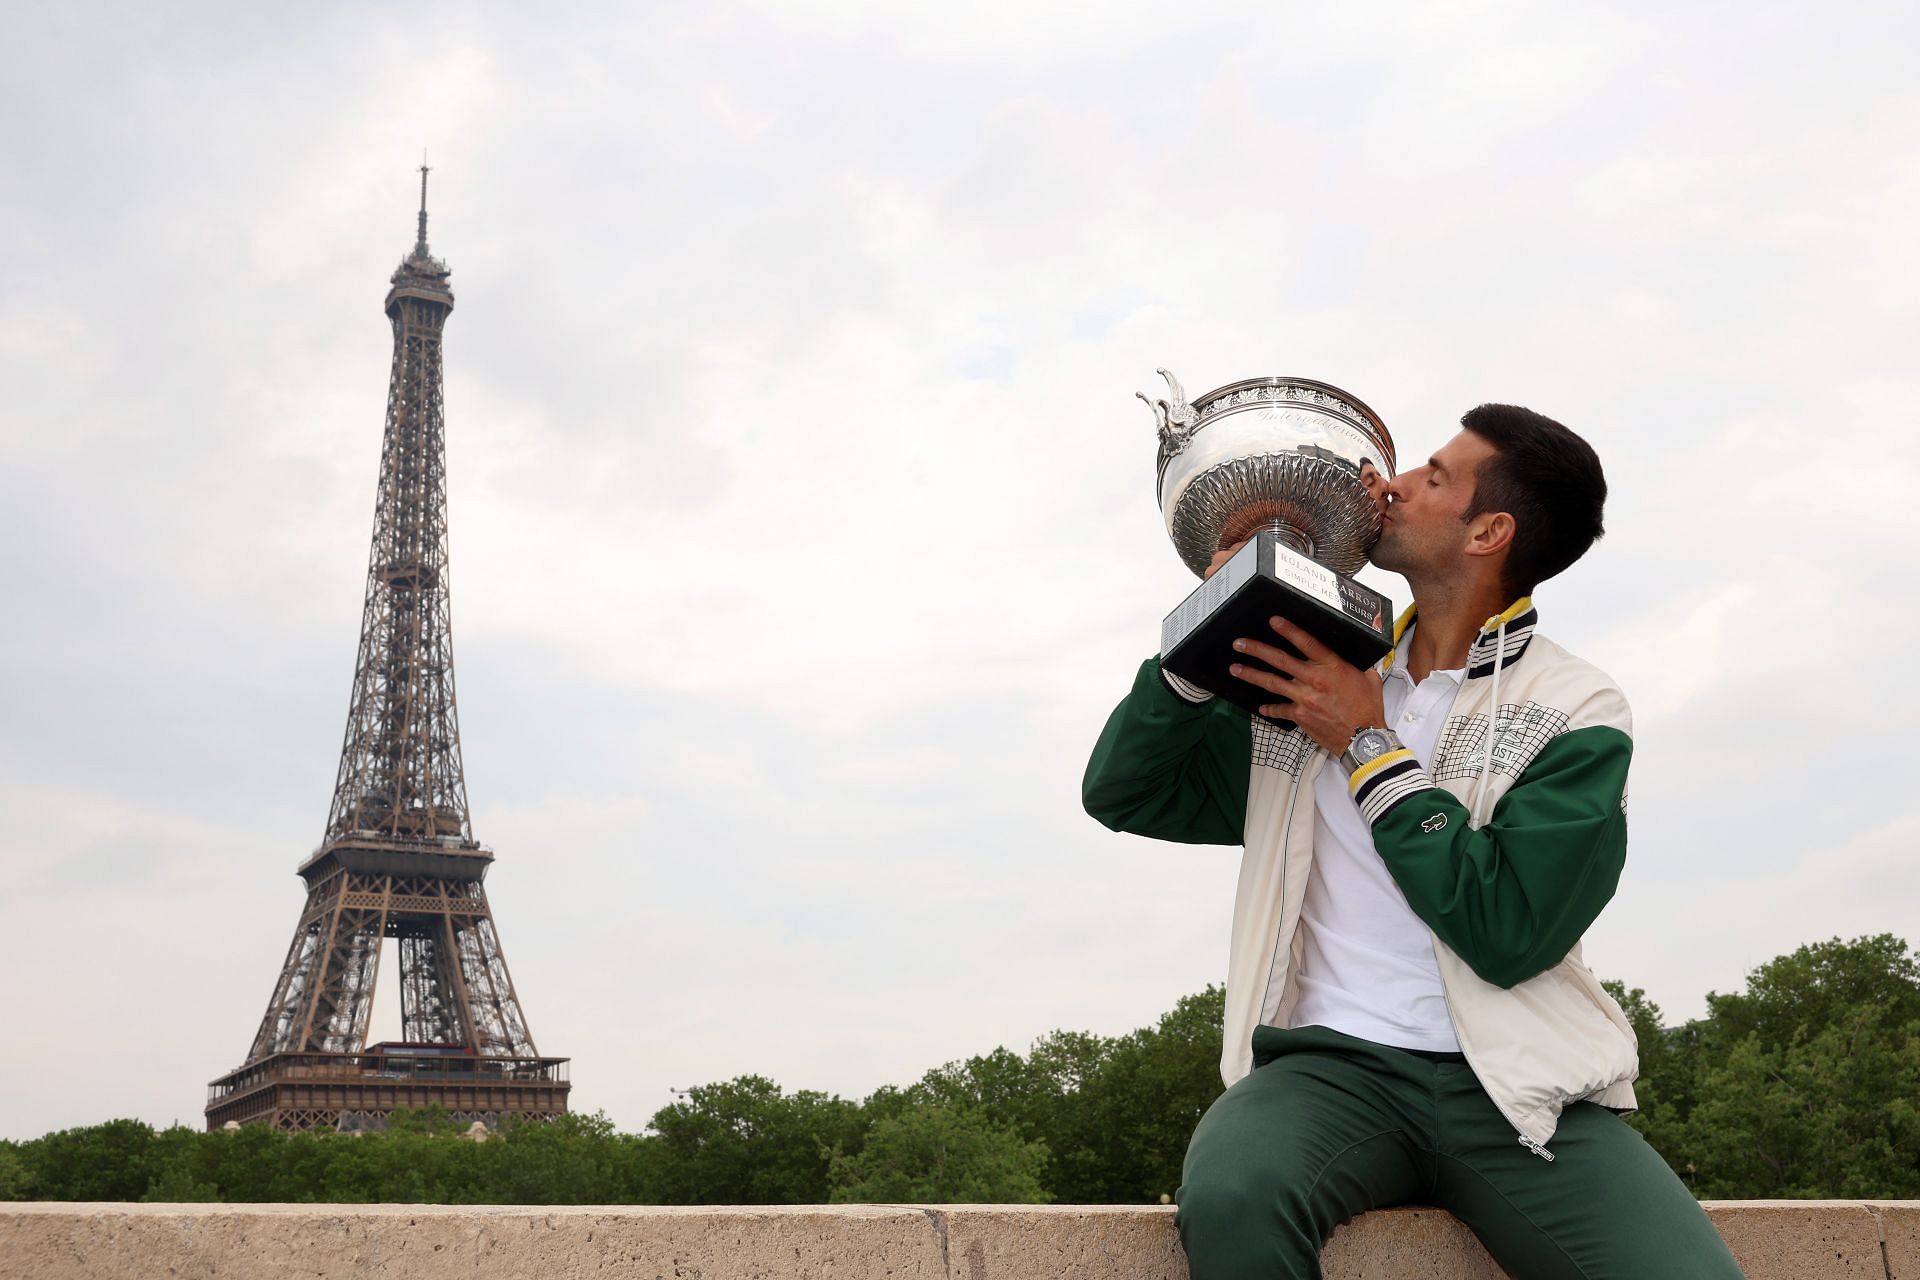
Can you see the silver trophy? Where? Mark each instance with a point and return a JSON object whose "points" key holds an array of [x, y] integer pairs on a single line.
{"points": [[1283, 465]]}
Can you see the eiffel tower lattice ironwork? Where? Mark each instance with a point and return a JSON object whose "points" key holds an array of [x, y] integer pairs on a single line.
{"points": [[399, 862]]}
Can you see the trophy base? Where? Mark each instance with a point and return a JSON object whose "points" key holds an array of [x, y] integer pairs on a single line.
{"points": [[1264, 578]]}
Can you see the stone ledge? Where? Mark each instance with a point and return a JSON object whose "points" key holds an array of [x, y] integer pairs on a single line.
{"points": [[1773, 1239]]}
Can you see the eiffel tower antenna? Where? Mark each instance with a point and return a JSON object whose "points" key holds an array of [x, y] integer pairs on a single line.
{"points": [[398, 860], [420, 241]]}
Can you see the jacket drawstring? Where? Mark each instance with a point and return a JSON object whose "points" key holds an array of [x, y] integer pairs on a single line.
{"points": [[1474, 816]]}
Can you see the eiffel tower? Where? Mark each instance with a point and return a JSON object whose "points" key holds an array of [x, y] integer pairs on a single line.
{"points": [[399, 861]]}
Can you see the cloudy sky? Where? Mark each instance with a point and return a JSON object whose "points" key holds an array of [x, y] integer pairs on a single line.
{"points": [[802, 515]]}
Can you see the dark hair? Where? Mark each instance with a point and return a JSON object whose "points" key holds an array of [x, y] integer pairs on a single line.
{"points": [[1548, 479]]}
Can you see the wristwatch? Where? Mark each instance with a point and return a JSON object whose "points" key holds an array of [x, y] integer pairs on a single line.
{"points": [[1369, 744]]}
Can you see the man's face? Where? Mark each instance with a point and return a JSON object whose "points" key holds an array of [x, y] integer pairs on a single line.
{"points": [[1376, 485], [1425, 528]]}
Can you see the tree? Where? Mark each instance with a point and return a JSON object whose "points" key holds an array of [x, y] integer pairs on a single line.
{"points": [[101, 1162], [1001, 1082], [13, 1172], [747, 1142], [176, 1185], [568, 1160], [172, 1161], [1113, 1113], [942, 1153], [1803, 1085], [431, 1120], [1818, 986], [1664, 1088], [1028, 1095], [1834, 1114], [1153, 1088]]}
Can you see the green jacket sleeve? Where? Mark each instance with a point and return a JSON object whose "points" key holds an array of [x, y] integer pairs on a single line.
{"points": [[1171, 769], [1513, 897]]}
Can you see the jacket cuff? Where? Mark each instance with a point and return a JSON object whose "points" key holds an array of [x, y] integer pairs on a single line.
{"points": [[1185, 690], [1379, 785]]}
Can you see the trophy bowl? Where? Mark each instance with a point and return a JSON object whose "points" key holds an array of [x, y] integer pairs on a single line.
{"points": [[1280, 464], [1282, 453]]}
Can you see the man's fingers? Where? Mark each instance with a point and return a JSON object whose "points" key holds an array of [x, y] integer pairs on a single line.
{"points": [[1272, 655], [1299, 639], [1271, 681]]}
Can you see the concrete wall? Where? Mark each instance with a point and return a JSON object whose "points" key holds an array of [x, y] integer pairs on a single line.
{"points": [[1774, 1240]]}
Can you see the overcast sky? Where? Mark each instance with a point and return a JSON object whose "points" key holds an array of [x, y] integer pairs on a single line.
{"points": [[802, 517]]}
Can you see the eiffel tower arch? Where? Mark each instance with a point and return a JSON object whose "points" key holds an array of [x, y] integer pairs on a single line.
{"points": [[399, 864]]}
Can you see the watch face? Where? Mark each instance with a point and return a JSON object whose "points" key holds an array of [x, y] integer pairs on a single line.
{"points": [[1371, 744]]}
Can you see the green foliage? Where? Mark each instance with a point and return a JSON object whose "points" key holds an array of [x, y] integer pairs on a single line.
{"points": [[1158, 1083], [1819, 986], [1664, 1089], [172, 1166], [1805, 1084], [102, 1162], [575, 1159], [941, 1153], [13, 1172], [745, 1141], [1114, 1114], [1832, 1114], [431, 1120], [175, 1184]]}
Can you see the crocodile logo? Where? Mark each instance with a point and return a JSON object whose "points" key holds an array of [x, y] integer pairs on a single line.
{"points": [[1437, 822]]}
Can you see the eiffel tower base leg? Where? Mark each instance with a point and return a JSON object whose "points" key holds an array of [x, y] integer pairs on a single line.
{"points": [[464, 1042]]}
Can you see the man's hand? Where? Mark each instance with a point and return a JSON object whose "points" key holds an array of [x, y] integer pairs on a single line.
{"points": [[1331, 700], [1221, 556]]}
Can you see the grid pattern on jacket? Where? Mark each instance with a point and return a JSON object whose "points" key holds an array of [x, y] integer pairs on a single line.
{"points": [[1520, 734], [1278, 748]]}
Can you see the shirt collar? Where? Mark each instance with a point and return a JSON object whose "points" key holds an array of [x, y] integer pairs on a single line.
{"points": [[1519, 618], [1396, 662]]}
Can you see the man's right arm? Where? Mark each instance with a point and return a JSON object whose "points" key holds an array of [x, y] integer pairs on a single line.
{"points": [[1170, 767]]}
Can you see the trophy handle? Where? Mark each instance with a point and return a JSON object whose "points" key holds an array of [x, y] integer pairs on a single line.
{"points": [[1174, 417], [1173, 385]]}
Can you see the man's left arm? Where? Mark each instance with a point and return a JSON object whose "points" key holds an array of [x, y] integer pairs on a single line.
{"points": [[1511, 898]]}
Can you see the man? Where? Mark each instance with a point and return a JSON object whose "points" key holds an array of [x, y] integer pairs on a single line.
{"points": [[1408, 1017]]}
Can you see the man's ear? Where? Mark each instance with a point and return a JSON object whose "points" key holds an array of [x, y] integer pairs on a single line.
{"points": [[1490, 534]]}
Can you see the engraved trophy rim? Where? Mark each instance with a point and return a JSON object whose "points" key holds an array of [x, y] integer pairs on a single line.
{"points": [[1203, 475], [1206, 406]]}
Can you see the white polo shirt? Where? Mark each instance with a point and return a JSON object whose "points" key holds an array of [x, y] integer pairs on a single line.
{"points": [[1366, 962]]}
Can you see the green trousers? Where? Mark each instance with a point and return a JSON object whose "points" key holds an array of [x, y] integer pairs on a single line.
{"points": [[1328, 1126]]}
